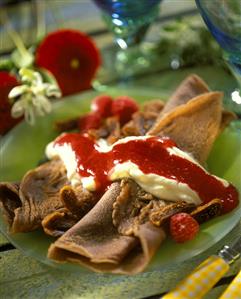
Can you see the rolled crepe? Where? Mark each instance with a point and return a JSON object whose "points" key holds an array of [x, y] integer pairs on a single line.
{"points": [[77, 202], [96, 243]]}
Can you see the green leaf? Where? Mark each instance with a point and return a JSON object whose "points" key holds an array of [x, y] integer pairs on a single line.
{"points": [[6, 64]]}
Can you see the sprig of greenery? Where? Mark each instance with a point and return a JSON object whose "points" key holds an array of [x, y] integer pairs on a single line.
{"points": [[32, 98], [188, 41]]}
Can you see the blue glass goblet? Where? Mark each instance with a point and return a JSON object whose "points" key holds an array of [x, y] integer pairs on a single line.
{"points": [[223, 18], [129, 21]]}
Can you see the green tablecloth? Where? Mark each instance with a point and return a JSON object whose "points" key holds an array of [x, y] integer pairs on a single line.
{"points": [[23, 277]]}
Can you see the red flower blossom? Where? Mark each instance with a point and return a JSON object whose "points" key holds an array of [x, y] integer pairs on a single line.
{"points": [[71, 56], [7, 82]]}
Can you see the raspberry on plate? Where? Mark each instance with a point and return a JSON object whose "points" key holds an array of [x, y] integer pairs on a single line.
{"points": [[183, 227], [101, 105], [124, 107], [89, 121]]}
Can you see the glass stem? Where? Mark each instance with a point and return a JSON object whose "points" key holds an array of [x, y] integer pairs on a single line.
{"points": [[136, 38]]}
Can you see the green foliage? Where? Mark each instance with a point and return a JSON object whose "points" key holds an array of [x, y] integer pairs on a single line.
{"points": [[189, 41]]}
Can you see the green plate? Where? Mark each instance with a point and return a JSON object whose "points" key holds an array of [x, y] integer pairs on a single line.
{"points": [[24, 146]]}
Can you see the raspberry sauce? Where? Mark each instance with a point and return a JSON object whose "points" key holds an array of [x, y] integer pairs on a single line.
{"points": [[152, 156]]}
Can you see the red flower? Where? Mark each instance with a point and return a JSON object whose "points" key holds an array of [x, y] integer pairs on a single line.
{"points": [[7, 82], [71, 56]]}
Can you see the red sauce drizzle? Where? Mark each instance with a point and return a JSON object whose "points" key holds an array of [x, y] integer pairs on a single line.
{"points": [[151, 156]]}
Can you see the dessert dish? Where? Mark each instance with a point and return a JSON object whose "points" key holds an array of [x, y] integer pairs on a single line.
{"points": [[114, 189]]}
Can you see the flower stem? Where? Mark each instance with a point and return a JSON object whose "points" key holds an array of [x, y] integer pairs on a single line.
{"points": [[15, 37], [40, 18]]}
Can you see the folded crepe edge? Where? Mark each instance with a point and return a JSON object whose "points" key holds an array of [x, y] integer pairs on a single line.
{"points": [[190, 106], [9, 203], [189, 88], [208, 108], [59, 252], [227, 118]]}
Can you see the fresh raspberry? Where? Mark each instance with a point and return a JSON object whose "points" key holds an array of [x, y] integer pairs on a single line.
{"points": [[7, 82], [101, 105], [183, 227], [124, 107], [89, 121]]}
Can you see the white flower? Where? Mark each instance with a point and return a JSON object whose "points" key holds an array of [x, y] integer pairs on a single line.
{"points": [[32, 98]]}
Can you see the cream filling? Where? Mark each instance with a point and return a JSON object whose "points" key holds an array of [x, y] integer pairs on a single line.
{"points": [[159, 186]]}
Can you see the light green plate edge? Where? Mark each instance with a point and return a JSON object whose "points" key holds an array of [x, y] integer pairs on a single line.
{"points": [[23, 147]]}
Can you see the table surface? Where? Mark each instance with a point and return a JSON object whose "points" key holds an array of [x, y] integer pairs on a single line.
{"points": [[24, 277]]}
